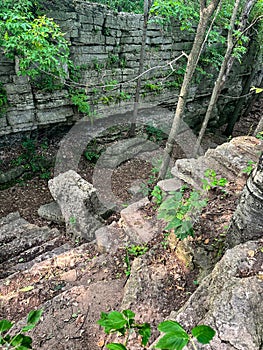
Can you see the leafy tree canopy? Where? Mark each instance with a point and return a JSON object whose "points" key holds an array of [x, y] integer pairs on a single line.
{"points": [[35, 40], [135, 6]]}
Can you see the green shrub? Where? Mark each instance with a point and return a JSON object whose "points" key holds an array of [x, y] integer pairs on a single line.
{"points": [[178, 211]]}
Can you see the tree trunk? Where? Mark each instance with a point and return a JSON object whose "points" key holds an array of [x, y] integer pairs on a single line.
{"points": [[247, 221], [259, 127], [206, 12], [225, 67], [147, 6]]}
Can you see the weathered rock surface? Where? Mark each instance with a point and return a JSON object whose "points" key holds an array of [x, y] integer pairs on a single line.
{"points": [[124, 150], [51, 212], [247, 221], [230, 300], [78, 203], [110, 238], [106, 44], [135, 223], [228, 160], [11, 174], [22, 244]]}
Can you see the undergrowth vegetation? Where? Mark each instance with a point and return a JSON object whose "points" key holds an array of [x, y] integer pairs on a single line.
{"points": [[17, 340], [175, 337]]}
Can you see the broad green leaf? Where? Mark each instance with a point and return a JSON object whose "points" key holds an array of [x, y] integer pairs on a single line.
{"points": [[34, 316], [173, 341], [204, 334], [174, 223], [28, 328], [5, 325], [112, 321], [145, 332], [170, 326], [116, 346], [22, 341], [17, 340], [128, 313]]}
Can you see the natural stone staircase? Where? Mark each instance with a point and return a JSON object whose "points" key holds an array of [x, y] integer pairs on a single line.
{"points": [[40, 268]]}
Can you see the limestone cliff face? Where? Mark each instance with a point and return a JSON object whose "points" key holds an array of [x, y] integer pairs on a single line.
{"points": [[106, 47]]}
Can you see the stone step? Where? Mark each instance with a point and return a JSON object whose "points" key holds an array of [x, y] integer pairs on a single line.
{"points": [[39, 270], [10, 226], [31, 236], [136, 225], [190, 171], [24, 244], [26, 259], [170, 185], [82, 267], [110, 238]]}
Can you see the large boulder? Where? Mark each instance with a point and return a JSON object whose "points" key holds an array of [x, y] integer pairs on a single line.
{"points": [[230, 301], [78, 203]]}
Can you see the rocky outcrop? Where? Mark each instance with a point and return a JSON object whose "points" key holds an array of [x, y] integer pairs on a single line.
{"points": [[23, 244], [247, 221], [230, 300], [73, 285], [136, 225], [228, 160], [78, 203]]}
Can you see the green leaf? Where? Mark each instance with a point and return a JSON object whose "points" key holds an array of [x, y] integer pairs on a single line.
{"points": [[145, 332], [129, 314], [173, 341], [170, 326], [17, 340], [112, 321], [174, 223], [175, 338], [34, 316], [5, 325], [204, 334], [116, 346], [257, 89], [26, 289]]}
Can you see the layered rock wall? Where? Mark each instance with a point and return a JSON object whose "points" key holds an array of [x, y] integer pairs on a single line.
{"points": [[106, 47]]}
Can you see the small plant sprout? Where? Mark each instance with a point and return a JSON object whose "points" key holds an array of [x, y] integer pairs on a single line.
{"points": [[137, 250], [72, 220], [131, 252], [19, 341], [212, 181], [250, 166], [157, 195]]}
